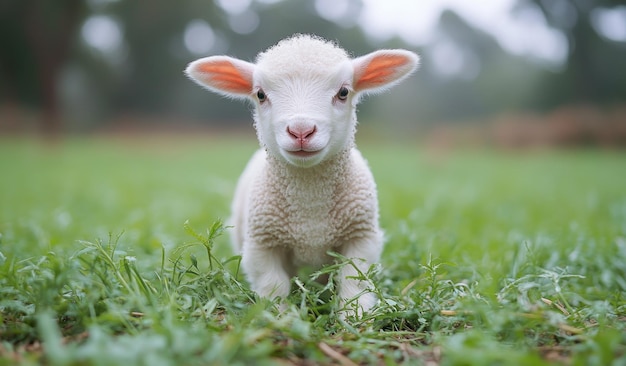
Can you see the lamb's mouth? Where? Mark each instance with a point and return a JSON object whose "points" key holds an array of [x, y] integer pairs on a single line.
{"points": [[303, 153]]}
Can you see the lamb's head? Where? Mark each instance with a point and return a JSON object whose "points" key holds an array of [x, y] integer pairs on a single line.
{"points": [[305, 91]]}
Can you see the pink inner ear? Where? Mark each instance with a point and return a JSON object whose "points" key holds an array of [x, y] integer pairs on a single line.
{"points": [[380, 71], [225, 76]]}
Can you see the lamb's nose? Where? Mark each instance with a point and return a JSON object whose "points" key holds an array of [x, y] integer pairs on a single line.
{"points": [[301, 133]]}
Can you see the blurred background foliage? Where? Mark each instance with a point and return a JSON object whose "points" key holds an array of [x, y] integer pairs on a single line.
{"points": [[113, 65]]}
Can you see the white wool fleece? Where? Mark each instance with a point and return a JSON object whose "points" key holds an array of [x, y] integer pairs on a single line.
{"points": [[308, 191]]}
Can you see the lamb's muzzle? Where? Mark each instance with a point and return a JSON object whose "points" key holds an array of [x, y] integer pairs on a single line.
{"points": [[301, 133], [308, 191]]}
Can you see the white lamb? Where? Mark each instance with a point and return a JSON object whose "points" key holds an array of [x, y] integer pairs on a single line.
{"points": [[308, 191]]}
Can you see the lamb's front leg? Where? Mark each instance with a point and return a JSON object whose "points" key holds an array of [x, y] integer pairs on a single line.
{"points": [[265, 271], [363, 253]]}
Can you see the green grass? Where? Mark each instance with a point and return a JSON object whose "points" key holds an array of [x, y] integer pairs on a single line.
{"points": [[111, 253]]}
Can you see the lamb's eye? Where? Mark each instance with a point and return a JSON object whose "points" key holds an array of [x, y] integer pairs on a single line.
{"points": [[261, 96], [343, 93]]}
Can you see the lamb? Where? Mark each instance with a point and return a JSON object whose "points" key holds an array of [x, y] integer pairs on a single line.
{"points": [[307, 191]]}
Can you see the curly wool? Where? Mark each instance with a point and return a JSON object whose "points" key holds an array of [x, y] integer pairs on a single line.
{"points": [[303, 56], [306, 212]]}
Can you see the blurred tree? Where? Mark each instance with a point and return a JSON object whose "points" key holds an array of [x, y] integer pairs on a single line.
{"points": [[594, 69], [465, 73], [36, 39], [462, 76], [153, 33]]}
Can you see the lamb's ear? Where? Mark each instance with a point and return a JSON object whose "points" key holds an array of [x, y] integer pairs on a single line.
{"points": [[222, 74], [382, 69]]}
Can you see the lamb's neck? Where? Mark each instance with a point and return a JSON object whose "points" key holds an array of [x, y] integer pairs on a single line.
{"points": [[326, 171]]}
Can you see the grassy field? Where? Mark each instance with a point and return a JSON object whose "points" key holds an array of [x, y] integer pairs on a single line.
{"points": [[111, 253]]}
